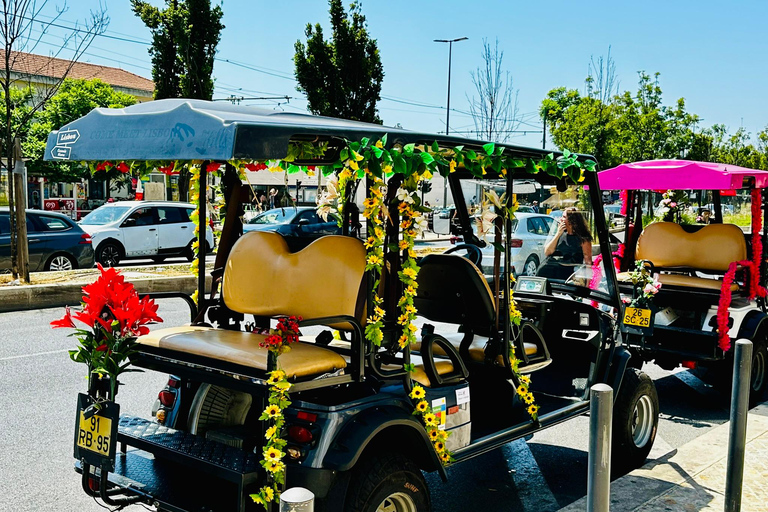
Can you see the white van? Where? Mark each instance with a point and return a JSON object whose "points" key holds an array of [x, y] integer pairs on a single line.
{"points": [[142, 229]]}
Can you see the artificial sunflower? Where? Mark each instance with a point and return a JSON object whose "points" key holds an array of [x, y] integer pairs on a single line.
{"points": [[269, 494], [275, 466], [273, 411], [528, 398], [434, 435], [533, 409], [439, 446], [430, 420], [271, 431], [272, 453], [445, 457], [422, 406], [417, 393]]}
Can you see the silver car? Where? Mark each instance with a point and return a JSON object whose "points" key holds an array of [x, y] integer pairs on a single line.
{"points": [[529, 234]]}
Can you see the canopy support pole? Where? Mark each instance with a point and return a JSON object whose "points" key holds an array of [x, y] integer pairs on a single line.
{"points": [[201, 244]]}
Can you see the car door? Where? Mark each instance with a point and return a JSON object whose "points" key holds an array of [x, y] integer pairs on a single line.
{"points": [[139, 231], [308, 223], [5, 242], [173, 229], [35, 243]]}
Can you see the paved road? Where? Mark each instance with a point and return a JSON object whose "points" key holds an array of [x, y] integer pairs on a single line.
{"points": [[39, 384]]}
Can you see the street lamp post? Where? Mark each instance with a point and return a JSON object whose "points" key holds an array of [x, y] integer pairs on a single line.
{"points": [[448, 107]]}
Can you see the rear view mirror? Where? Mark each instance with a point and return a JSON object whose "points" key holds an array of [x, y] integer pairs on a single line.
{"points": [[130, 221], [303, 222]]}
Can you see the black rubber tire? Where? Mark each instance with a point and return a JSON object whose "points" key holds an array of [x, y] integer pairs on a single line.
{"points": [[637, 392], [190, 255], [378, 477], [532, 258], [758, 383], [108, 258]]}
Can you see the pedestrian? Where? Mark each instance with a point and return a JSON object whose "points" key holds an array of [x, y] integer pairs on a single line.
{"points": [[272, 196], [535, 207]]}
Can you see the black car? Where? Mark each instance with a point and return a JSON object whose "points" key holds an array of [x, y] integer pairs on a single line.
{"points": [[56, 242], [289, 221]]}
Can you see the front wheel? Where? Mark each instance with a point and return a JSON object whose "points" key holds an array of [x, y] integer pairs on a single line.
{"points": [[635, 421], [60, 262], [387, 483], [109, 254], [531, 266]]}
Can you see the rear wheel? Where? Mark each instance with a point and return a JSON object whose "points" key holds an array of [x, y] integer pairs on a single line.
{"points": [[759, 378], [387, 483], [635, 421], [60, 262], [531, 266]]}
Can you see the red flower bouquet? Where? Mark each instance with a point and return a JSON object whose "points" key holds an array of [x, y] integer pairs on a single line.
{"points": [[114, 315]]}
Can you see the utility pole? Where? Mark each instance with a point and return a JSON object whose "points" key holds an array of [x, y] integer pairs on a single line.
{"points": [[544, 137], [19, 177], [448, 107]]}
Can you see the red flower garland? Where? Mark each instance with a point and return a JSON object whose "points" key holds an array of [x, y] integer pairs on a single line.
{"points": [[753, 289], [287, 332], [757, 243]]}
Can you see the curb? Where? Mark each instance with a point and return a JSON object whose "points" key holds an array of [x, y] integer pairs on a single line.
{"points": [[680, 466], [38, 296]]}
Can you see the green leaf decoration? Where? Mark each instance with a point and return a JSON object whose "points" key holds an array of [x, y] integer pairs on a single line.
{"points": [[426, 157], [435, 147], [384, 140], [293, 169], [497, 246], [377, 151], [408, 149], [489, 148]]}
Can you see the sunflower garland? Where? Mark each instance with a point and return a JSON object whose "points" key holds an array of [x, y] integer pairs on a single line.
{"points": [[437, 437], [278, 342]]}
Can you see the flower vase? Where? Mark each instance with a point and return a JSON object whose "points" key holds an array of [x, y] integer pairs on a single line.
{"points": [[100, 387]]}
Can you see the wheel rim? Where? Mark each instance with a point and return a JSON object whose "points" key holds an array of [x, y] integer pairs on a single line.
{"points": [[642, 421], [758, 370], [61, 263], [109, 255], [530, 268], [397, 502]]}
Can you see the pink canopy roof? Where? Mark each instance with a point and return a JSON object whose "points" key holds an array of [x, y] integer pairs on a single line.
{"points": [[679, 175]]}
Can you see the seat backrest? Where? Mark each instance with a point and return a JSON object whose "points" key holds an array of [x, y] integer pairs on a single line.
{"points": [[263, 277], [453, 290], [713, 247]]}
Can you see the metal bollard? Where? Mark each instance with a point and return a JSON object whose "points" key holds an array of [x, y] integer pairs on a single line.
{"points": [[600, 431], [737, 439], [297, 499]]}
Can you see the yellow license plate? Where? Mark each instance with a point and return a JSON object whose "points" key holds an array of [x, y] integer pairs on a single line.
{"points": [[94, 434], [637, 317]]}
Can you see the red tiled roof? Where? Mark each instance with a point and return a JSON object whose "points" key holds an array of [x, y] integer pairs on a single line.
{"points": [[41, 65]]}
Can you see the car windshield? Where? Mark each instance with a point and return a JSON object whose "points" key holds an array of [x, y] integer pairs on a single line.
{"points": [[104, 215], [278, 216]]}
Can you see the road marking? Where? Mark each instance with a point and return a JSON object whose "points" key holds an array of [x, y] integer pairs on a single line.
{"points": [[49, 352], [532, 488]]}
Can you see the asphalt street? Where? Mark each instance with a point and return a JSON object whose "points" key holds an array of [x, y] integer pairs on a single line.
{"points": [[39, 386]]}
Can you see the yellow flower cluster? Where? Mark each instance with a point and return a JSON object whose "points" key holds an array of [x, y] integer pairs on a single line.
{"points": [[375, 212], [436, 436], [272, 454]]}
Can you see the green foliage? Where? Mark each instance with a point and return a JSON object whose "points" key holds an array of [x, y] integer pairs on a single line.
{"points": [[185, 35], [341, 77], [630, 127]]}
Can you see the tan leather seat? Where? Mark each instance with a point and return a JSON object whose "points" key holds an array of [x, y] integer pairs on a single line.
{"points": [[263, 277], [242, 348], [442, 366], [711, 249], [476, 348]]}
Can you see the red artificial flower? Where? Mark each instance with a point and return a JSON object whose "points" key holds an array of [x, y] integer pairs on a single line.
{"points": [[123, 168], [101, 348], [65, 321], [213, 166], [168, 169], [103, 166], [256, 167]]}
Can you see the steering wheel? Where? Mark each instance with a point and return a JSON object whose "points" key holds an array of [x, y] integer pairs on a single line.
{"points": [[474, 254]]}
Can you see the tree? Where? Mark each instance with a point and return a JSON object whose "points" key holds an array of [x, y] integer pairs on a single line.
{"points": [[342, 77], [21, 31], [74, 99], [494, 110], [184, 39]]}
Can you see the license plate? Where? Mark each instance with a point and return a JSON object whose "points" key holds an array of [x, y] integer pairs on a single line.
{"points": [[637, 317], [95, 434]]}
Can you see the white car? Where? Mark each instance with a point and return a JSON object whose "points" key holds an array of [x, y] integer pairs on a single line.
{"points": [[142, 229], [529, 234]]}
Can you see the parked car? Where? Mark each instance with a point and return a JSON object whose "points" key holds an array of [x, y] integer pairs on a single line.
{"points": [[55, 242], [290, 221], [529, 234], [142, 229]]}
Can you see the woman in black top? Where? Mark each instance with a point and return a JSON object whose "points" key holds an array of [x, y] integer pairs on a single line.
{"points": [[570, 247]]}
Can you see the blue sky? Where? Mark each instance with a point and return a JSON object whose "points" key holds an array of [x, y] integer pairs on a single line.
{"points": [[712, 53]]}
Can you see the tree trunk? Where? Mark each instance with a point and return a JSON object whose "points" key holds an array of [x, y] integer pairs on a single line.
{"points": [[184, 184]]}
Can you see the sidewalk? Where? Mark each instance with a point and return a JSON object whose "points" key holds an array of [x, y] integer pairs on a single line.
{"points": [[692, 477]]}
